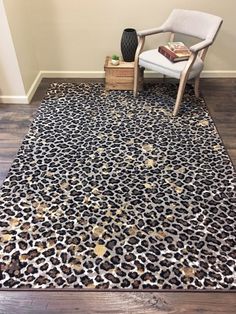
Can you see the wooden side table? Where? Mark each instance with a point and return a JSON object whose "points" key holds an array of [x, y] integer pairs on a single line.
{"points": [[120, 77]]}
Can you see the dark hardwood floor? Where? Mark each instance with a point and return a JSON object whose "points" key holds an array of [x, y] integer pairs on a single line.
{"points": [[97, 302], [220, 96]]}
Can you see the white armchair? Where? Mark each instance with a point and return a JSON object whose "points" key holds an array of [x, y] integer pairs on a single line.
{"points": [[196, 24]]}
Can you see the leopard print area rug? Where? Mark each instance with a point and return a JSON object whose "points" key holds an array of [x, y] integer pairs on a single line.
{"points": [[109, 191]]}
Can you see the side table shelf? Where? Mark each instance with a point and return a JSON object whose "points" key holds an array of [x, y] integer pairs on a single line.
{"points": [[120, 77]]}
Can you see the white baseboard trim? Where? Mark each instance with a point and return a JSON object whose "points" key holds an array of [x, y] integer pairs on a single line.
{"points": [[14, 99], [20, 99], [25, 99], [218, 74], [147, 74], [34, 87], [204, 74]]}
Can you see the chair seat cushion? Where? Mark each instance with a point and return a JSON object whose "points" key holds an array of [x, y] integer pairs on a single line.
{"points": [[153, 60]]}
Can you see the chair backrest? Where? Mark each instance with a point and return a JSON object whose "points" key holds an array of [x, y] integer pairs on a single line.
{"points": [[193, 23]]}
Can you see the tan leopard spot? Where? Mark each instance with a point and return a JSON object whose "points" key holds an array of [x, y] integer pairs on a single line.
{"points": [[51, 242], [41, 208], [179, 189], [181, 170], [133, 230], [91, 286], [100, 150], [98, 231], [14, 222], [79, 258], [105, 172], [100, 250], [216, 147], [188, 271], [64, 185], [104, 166], [96, 191], [130, 142], [120, 211], [160, 235], [109, 213], [23, 257], [147, 147], [172, 206], [203, 122], [148, 186], [40, 217], [49, 174], [129, 157], [140, 271], [58, 213], [100, 136], [170, 217], [149, 163], [147, 108], [130, 114], [165, 112], [86, 199], [6, 237], [77, 267], [112, 137]]}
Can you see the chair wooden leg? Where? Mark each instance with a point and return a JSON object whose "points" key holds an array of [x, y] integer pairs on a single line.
{"points": [[136, 65], [182, 84], [196, 86], [136, 79]]}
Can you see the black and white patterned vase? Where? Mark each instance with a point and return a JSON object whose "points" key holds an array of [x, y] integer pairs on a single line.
{"points": [[129, 43]]}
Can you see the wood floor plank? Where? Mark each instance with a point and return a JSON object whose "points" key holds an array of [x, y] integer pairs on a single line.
{"points": [[8, 143], [4, 168], [71, 302], [220, 97]]}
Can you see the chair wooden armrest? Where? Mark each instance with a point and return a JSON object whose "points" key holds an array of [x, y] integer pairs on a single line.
{"points": [[199, 46]]}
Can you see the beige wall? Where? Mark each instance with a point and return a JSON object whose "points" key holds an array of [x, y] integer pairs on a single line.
{"points": [[23, 32], [10, 77], [76, 35]]}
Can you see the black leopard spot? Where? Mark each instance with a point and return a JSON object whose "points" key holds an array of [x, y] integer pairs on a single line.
{"points": [[106, 266], [112, 278], [165, 274]]}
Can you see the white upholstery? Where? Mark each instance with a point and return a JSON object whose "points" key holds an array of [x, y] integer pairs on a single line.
{"points": [[153, 60], [193, 23]]}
